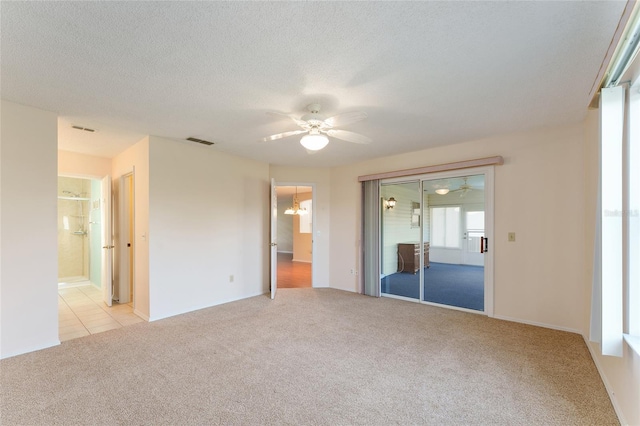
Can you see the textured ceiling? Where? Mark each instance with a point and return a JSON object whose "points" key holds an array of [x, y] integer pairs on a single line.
{"points": [[426, 73]]}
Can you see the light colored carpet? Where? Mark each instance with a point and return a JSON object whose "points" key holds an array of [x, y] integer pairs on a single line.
{"points": [[312, 356]]}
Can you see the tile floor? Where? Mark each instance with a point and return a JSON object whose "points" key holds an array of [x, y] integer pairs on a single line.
{"points": [[81, 312]]}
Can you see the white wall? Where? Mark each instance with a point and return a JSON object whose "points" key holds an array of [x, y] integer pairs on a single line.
{"points": [[621, 375], [321, 178], [539, 279], [82, 165], [285, 225], [208, 220], [136, 157], [29, 269]]}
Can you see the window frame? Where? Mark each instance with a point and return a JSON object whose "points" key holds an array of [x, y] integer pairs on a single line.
{"points": [[431, 226]]}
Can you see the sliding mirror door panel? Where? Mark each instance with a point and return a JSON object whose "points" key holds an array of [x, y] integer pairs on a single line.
{"points": [[454, 230], [400, 240]]}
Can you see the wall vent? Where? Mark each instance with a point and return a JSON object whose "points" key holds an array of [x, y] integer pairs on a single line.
{"points": [[86, 129], [202, 141]]}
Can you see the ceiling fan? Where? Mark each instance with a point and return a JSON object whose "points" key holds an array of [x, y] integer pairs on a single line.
{"points": [[317, 128], [464, 188]]}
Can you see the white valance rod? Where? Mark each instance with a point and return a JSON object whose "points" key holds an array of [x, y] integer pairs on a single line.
{"points": [[621, 50], [488, 161]]}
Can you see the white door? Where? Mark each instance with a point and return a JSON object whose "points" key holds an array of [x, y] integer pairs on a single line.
{"points": [[274, 239], [107, 242], [472, 253], [125, 249]]}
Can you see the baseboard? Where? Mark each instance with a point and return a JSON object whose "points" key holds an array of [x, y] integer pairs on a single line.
{"points": [[31, 348], [222, 302], [141, 315], [607, 386], [301, 261], [538, 324]]}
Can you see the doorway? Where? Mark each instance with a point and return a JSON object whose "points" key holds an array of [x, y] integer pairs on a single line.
{"points": [[434, 233], [79, 232], [81, 245], [454, 215], [294, 235]]}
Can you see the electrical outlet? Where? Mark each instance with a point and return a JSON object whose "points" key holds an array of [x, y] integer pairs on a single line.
{"points": [[230, 278], [511, 237]]}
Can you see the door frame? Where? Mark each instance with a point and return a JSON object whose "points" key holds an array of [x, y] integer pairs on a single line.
{"points": [[314, 208], [106, 191], [489, 185]]}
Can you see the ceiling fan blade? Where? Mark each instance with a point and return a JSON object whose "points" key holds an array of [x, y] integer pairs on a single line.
{"points": [[283, 135], [348, 136], [299, 122], [345, 119]]}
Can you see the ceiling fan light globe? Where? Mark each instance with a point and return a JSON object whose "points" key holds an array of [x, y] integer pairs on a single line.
{"points": [[314, 142], [442, 191]]}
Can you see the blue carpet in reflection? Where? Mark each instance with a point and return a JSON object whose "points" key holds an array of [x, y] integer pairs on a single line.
{"points": [[453, 285]]}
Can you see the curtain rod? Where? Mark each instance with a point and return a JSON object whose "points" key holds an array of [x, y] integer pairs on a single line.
{"points": [[488, 161], [610, 60]]}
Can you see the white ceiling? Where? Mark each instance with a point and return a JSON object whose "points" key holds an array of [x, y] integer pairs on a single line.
{"points": [[426, 73]]}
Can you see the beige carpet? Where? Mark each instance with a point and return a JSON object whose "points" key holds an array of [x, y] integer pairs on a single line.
{"points": [[311, 357]]}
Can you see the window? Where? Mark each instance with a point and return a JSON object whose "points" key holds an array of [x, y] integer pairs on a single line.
{"points": [[445, 227], [615, 304], [633, 225], [618, 266]]}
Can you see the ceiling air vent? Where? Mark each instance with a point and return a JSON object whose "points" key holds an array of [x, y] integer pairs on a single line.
{"points": [[202, 141], [86, 129]]}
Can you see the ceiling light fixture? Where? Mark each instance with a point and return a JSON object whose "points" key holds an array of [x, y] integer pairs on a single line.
{"points": [[442, 191], [314, 141], [295, 209]]}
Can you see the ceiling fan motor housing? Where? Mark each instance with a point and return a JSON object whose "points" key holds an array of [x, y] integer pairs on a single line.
{"points": [[314, 118]]}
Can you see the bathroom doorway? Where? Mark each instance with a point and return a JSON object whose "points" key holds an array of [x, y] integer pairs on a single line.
{"points": [[81, 305]]}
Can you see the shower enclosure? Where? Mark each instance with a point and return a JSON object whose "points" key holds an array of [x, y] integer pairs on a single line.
{"points": [[78, 232]]}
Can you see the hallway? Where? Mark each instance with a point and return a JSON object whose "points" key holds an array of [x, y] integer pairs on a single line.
{"points": [[293, 274]]}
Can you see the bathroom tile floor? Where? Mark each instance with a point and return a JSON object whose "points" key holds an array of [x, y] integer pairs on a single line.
{"points": [[81, 312]]}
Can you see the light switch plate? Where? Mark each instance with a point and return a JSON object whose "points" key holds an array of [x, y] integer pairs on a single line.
{"points": [[512, 236]]}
